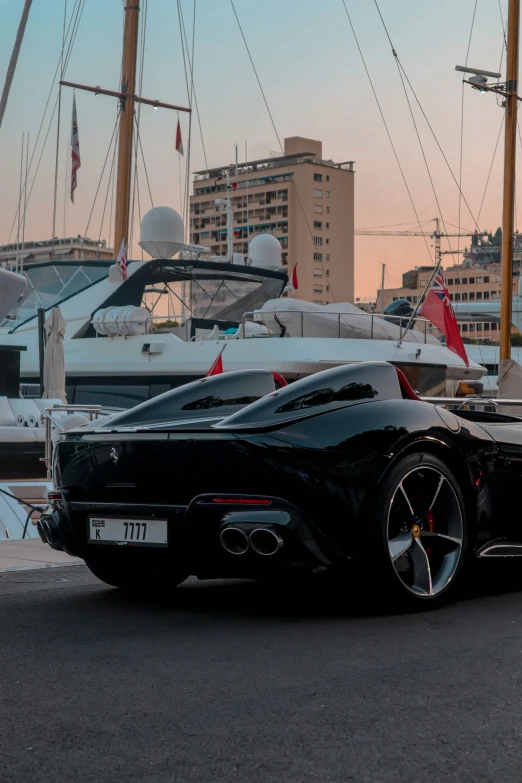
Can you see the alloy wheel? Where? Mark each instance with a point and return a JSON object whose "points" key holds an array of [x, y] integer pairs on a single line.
{"points": [[425, 531]]}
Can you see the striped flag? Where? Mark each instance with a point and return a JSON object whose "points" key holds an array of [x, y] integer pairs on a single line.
{"points": [[75, 150], [122, 260], [179, 140]]}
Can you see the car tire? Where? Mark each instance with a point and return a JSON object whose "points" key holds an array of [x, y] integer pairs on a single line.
{"points": [[135, 579], [417, 543]]}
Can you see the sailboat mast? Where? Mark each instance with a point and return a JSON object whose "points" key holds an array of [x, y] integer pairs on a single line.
{"points": [[14, 58], [509, 178], [128, 85]]}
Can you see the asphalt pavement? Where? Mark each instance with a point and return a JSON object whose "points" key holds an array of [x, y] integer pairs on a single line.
{"points": [[243, 682]]}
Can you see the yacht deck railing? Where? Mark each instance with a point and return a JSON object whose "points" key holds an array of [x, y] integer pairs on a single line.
{"points": [[300, 318]]}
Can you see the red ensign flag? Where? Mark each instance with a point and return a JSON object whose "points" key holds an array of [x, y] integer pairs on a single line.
{"points": [[437, 309]]}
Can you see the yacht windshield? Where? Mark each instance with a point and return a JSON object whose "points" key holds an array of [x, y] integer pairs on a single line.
{"points": [[49, 284]]}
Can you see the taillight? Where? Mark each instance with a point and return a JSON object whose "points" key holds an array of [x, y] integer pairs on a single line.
{"points": [[55, 498], [244, 501]]}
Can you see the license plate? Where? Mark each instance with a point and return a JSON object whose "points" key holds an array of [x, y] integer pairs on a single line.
{"points": [[121, 531]]}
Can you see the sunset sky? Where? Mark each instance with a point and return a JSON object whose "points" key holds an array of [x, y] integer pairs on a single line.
{"points": [[315, 85]]}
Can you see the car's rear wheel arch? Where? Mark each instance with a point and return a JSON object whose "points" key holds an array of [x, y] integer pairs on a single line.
{"points": [[455, 462]]}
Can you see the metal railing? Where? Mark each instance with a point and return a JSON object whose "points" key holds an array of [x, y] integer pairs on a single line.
{"points": [[421, 324], [93, 412]]}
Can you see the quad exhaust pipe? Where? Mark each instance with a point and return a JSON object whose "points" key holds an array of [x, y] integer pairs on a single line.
{"points": [[263, 540]]}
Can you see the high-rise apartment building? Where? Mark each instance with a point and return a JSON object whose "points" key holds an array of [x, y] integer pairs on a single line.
{"points": [[303, 200]]}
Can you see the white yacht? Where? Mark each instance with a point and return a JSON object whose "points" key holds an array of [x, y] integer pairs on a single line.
{"points": [[119, 352]]}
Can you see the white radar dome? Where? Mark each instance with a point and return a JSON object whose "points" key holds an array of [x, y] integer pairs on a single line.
{"points": [[162, 232], [265, 251]]}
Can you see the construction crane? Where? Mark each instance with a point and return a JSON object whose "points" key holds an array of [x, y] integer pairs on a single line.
{"points": [[436, 235]]}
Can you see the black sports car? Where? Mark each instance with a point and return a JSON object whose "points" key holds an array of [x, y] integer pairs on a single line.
{"points": [[230, 476]]}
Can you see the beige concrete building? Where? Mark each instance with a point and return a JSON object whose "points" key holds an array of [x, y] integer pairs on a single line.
{"points": [[70, 249], [464, 285], [303, 200]]}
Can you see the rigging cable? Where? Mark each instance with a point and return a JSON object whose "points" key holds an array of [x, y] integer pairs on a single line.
{"points": [[462, 120], [195, 94], [109, 188], [433, 133], [491, 167], [100, 180], [396, 57], [137, 118], [385, 125], [77, 4], [280, 145]]}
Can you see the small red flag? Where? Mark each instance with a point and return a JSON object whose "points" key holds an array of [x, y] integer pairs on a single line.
{"points": [[217, 367], [437, 309], [293, 280], [179, 140], [236, 234]]}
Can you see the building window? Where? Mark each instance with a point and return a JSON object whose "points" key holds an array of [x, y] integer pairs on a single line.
{"points": [[318, 240], [318, 289], [415, 299], [457, 297], [318, 193], [318, 256], [395, 298], [464, 327], [317, 301], [472, 327], [423, 283], [318, 177], [451, 297], [472, 295], [327, 241], [450, 281], [457, 281], [327, 225], [479, 280], [327, 273], [318, 224], [318, 273], [328, 256], [464, 297], [471, 279], [479, 294], [327, 287], [493, 327], [486, 279], [486, 294], [327, 210], [486, 327], [328, 178], [318, 209], [464, 281], [409, 299], [479, 327], [494, 294], [327, 194], [205, 235]]}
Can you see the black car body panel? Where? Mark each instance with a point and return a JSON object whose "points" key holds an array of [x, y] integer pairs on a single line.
{"points": [[305, 460]]}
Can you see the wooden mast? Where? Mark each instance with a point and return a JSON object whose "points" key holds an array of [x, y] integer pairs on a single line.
{"points": [[509, 178], [128, 87]]}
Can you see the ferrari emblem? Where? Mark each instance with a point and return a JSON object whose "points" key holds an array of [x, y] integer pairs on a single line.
{"points": [[114, 456]]}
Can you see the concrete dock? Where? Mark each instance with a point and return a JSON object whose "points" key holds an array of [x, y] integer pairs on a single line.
{"points": [[31, 553]]}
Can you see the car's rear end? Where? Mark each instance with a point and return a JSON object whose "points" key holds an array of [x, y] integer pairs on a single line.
{"points": [[208, 494]]}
